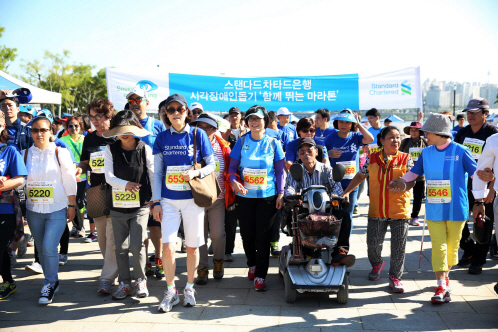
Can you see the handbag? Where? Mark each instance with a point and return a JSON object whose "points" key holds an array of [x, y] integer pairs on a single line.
{"points": [[96, 201], [207, 189]]}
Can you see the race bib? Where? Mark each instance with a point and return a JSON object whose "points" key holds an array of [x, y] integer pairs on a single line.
{"points": [[415, 153], [97, 162], [350, 169], [40, 192], [217, 169], [374, 148], [438, 191], [125, 199], [475, 145], [174, 179], [256, 179]]}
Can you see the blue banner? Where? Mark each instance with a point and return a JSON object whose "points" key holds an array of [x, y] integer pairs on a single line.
{"points": [[298, 93]]}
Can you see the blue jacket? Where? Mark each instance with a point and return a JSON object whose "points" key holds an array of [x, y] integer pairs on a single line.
{"points": [[23, 138]]}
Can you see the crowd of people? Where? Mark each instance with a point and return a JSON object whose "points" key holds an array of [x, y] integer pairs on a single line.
{"points": [[132, 175]]}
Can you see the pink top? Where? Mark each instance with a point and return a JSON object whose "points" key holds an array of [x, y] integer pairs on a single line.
{"points": [[410, 176]]}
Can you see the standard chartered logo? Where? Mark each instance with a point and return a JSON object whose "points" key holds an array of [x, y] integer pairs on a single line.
{"points": [[406, 88]]}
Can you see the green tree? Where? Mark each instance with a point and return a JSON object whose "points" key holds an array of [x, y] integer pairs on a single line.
{"points": [[7, 54]]}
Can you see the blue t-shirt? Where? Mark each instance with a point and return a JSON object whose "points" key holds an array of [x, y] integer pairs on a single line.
{"points": [[457, 128], [281, 136], [374, 132], [349, 147], [454, 163], [60, 143], [290, 130], [321, 135], [154, 126], [178, 150], [12, 135], [256, 165], [11, 163], [291, 150]]}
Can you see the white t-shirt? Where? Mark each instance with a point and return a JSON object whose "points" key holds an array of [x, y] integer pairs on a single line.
{"points": [[236, 132]]}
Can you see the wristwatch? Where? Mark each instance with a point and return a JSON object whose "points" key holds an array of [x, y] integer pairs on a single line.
{"points": [[72, 206]]}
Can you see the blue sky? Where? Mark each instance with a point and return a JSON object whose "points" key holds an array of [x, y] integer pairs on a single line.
{"points": [[450, 40]]}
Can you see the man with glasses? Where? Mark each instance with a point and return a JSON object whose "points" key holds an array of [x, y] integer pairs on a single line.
{"points": [[19, 134], [197, 110], [237, 129], [317, 173], [138, 102]]}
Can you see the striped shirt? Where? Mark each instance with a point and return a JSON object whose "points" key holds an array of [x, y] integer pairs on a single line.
{"points": [[313, 179], [220, 166]]}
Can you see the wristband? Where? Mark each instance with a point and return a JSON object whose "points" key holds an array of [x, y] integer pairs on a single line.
{"points": [[479, 203], [405, 187], [71, 206], [155, 204]]}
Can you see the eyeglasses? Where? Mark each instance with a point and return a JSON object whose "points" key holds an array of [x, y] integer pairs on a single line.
{"points": [[254, 119], [173, 110], [97, 117], [310, 130], [41, 130], [137, 100], [308, 151], [73, 126], [196, 112]]}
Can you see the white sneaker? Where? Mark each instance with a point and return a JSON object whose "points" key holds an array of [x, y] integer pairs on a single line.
{"points": [[123, 291], [188, 297], [104, 287], [170, 299], [141, 288], [82, 233], [34, 268]]}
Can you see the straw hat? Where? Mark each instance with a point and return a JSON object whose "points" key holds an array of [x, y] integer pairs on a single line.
{"points": [[126, 130], [414, 124]]}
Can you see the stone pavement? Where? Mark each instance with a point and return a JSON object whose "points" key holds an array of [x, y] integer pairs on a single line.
{"points": [[232, 304]]}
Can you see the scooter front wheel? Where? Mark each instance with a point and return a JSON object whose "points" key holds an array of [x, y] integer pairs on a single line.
{"points": [[290, 294], [343, 293]]}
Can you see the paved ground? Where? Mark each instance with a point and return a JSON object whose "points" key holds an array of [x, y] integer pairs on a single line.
{"points": [[232, 304]]}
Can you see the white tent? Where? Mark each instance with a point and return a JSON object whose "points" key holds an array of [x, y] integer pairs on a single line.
{"points": [[40, 96]]}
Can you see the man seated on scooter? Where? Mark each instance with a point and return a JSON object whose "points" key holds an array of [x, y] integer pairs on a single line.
{"points": [[307, 153]]}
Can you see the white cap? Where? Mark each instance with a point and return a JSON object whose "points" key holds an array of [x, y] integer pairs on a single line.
{"points": [[193, 106], [139, 92], [283, 111]]}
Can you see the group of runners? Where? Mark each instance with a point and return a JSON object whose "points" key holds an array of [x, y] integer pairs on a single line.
{"points": [[134, 173]]}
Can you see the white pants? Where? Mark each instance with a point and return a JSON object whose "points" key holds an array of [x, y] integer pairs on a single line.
{"points": [[174, 210]]}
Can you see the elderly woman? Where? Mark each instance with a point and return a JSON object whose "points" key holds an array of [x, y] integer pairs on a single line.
{"points": [[386, 208], [173, 201], [447, 166], [214, 216]]}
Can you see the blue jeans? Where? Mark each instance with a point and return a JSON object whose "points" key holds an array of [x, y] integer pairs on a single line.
{"points": [[353, 197], [47, 229]]}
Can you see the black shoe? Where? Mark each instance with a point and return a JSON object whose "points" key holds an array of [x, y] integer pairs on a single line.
{"points": [[47, 293], [342, 258], [464, 261], [475, 268], [152, 258]]}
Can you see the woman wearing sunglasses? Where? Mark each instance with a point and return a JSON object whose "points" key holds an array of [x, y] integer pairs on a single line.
{"points": [[74, 141], [259, 189], [343, 146], [51, 200], [306, 127], [173, 201], [101, 112]]}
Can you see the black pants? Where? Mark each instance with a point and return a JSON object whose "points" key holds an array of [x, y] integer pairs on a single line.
{"points": [[80, 203], [256, 217], [343, 239], [477, 252], [64, 243], [275, 229], [418, 196], [7, 227], [230, 229]]}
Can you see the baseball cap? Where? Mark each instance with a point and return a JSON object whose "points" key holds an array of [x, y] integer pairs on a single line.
{"points": [[139, 92], [21, 95], [283, 111], [193, 106], [477, 104], [234, 109], [345, 116], [306, 140], [45, 113], [176, 97], [206, 118], [27, 109]]}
